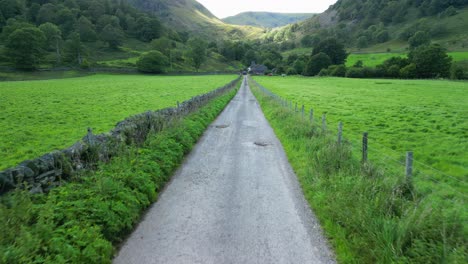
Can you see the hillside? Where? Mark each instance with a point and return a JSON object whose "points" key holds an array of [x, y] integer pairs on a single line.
{"points": [[266, 19], [191, 16], [111, 34], [379, 25]]}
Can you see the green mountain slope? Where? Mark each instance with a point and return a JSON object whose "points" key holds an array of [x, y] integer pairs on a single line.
{"points": [[266, 19], [379, 25], [191, 16]]}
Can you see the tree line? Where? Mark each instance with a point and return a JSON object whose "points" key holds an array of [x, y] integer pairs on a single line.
{"points": [[33, 29]]}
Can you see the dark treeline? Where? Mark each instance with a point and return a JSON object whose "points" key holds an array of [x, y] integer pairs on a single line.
{"points": [[32, 29]]}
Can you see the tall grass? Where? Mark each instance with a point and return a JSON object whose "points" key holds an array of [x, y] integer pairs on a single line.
{"points": [[371, 214], [83, 220]]}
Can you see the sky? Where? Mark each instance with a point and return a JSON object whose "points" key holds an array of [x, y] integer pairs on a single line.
{"points": [[225, 8]]}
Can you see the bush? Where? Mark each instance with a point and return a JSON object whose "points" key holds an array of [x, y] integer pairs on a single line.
{"points": [[409, 71], [152, 62], [457, 72], [365, 72], [317, 63], [431, 61], [337, 70]]}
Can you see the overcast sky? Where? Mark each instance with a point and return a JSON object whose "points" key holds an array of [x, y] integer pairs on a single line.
{"points": [[225, 8]]}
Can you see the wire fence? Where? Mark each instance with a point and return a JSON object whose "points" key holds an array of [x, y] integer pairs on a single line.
{"points": [[383, 155]]}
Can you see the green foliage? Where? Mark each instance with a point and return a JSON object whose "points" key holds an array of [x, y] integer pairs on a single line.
{"points": [[331, 47], [86, 29], [112, 35], [420, 38], [25, 47], [431, 61], [163, 45], [317, 63], [365, 209], [152, 62], [197, 51], [40, 116], [79, 221]]}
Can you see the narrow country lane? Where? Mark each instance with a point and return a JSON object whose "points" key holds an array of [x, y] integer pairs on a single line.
{"points": [[234, 200]]}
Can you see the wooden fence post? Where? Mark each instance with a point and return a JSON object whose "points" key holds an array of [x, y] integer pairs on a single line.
{"points": [[178, 104], [324, 122], [303, 109], [340, 132], [295, 107], [311, 115], [364, 147], [409, 166]]}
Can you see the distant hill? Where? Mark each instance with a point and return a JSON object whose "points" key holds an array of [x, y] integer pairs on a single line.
{"points": [[266, 19], [191, 16], [381, 25]]}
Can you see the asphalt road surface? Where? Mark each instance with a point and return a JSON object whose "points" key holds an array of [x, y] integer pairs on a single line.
{"points": [[234, 200]]}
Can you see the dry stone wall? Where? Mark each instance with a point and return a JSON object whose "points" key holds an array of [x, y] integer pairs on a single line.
{"points": [[46, 172]]}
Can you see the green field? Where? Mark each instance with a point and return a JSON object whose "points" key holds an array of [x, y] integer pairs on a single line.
{"points": [[40, 116], [427, 117], [374, 59]]}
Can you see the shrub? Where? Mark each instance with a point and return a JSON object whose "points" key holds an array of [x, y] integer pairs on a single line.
{"points": [[337, 70], [316, 63], [152, 62], [355, 72], [409, 71], [457, 72], [431, 61]]}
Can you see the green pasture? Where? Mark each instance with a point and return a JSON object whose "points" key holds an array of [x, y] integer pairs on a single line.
{"points": [[374, 59], [425, 116], [40, 116]]}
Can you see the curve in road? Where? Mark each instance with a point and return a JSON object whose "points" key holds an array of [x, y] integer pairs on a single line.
{"points": [[234, 200]]}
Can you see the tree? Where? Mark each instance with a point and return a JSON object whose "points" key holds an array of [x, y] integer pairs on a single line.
{"points": [[47, 13], [197, 51], [24, 47], [362, 42], [431, 61], [53, 38], [10, 8], [74, 51], [419, 39], [152, 62], [112, 35], [317, 63], [86, 29], [148, 28], [163, 45], [335, 50]]}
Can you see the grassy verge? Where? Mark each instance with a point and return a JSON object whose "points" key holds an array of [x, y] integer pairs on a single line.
{"points": [[82, 221], [370, 214]]}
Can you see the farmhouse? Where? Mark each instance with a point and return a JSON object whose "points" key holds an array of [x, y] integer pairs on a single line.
{"points": [[257, 69]]}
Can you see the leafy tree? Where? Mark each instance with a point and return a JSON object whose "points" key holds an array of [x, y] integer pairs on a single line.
{"points": [[299, 65], [309, 41], [12, 25], [53, 38], [197, 51], [382, 36], [113, 35], [105, 20], [47, 13], [152, 62], [431, 61], [24, 47], [66, 20], [74, 51], [419, 39], [163, 45], [249, 57], [362, 42], [148, 28], [317, 63], [333, 49], [32, 12], [86, 29], [457, 72], [10, 8]]}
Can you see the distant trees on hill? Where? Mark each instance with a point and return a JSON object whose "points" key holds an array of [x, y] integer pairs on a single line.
{"points": [[51, 26]]}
